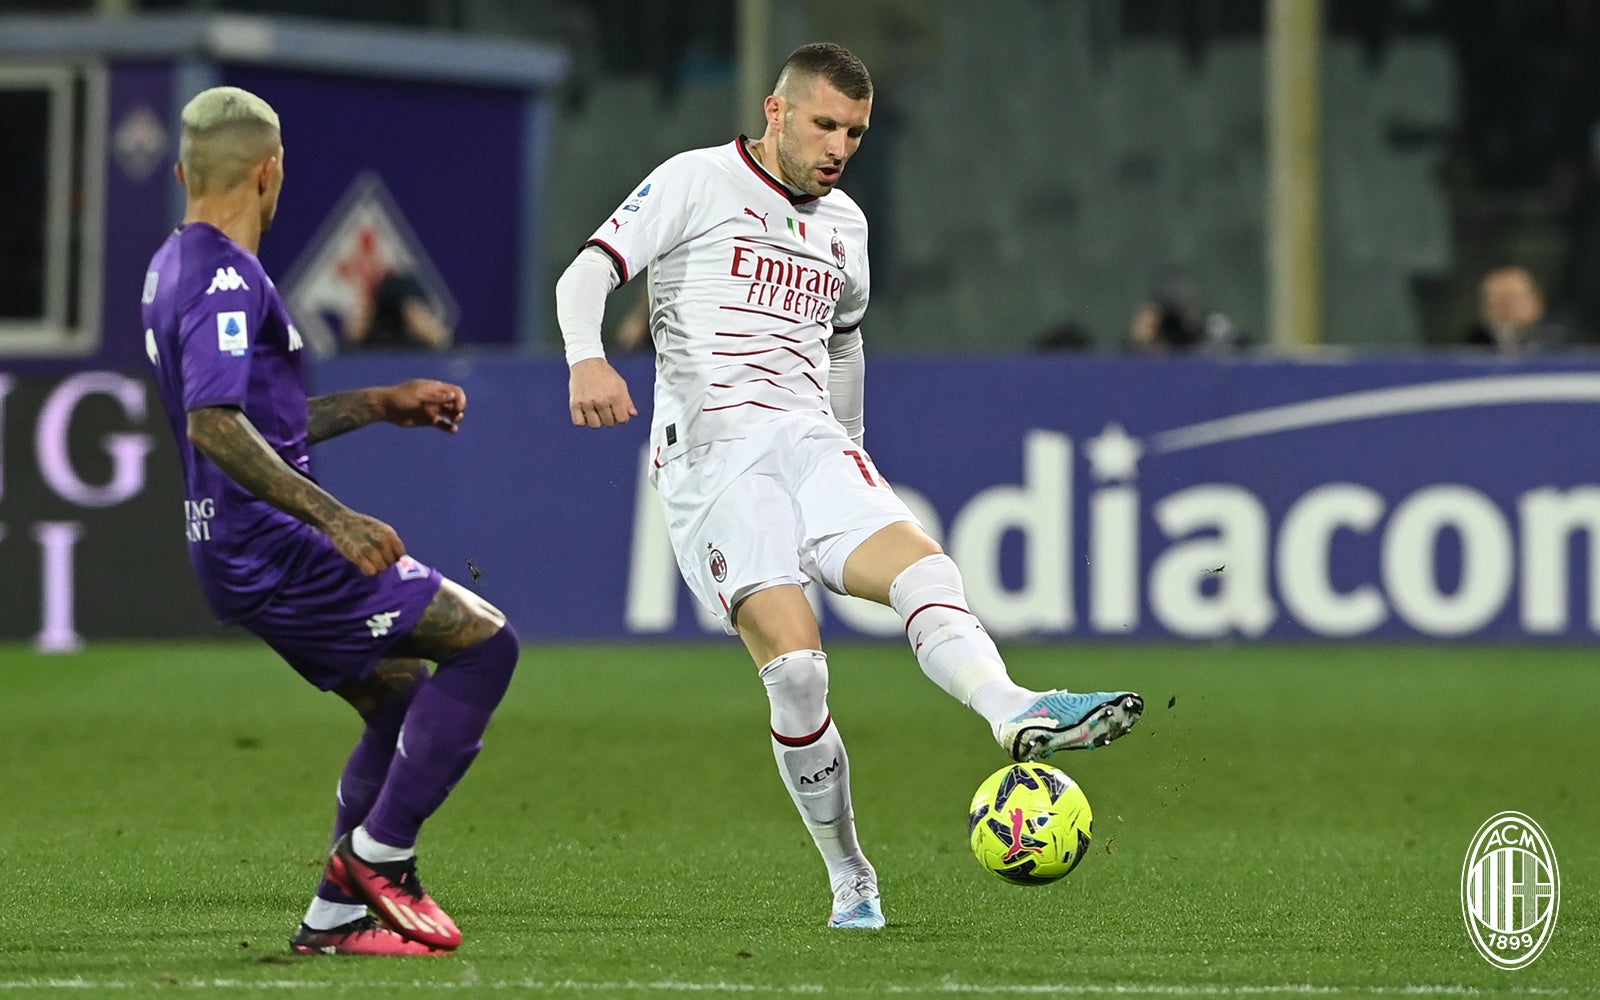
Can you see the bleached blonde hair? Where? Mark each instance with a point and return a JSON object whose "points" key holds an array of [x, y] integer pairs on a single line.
{"points": [[226, 132]]}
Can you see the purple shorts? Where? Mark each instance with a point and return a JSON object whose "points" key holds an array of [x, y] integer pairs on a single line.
{"points": [[333, 623]]}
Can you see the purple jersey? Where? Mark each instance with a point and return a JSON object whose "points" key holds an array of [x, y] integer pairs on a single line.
{"points": [[219, 335]]}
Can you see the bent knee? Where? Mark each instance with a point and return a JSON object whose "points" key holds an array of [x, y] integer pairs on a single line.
{"points": [[391, 684], [801, 675]]}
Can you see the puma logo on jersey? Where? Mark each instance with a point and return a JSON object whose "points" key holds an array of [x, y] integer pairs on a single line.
{"points": [[759, 218], [227, 280], [617, 225]]}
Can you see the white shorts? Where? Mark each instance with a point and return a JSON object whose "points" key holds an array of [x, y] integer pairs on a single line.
{"points": [[788, 504]]}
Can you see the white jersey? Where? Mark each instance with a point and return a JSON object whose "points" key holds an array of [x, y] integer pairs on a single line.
{"points": [[747, 283]]}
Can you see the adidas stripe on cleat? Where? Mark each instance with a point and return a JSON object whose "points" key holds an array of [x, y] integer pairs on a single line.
{"points": [[395, 893], [359, 937]]}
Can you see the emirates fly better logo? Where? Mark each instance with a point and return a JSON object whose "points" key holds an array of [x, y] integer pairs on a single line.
{"points": [[1510, 890]]}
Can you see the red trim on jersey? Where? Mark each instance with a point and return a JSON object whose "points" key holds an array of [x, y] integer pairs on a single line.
{"points": [[748, 402], [813, 381], [764, 350], [803, 741], [616, 258], [953, 607], [763, 368], [776, 385], [761, 312], [766, 178], [779, 336], [846, 329]]}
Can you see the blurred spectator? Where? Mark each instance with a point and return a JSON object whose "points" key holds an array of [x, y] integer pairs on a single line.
{"points": [[1511, 315], [1171, 321], [399, 315], [1067, 336], [1578, 289]]}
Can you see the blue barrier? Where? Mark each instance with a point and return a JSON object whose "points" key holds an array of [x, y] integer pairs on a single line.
{"points": [[1094, 498]]}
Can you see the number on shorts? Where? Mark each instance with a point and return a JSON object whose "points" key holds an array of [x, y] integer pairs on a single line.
{"points": [[865, 465]]}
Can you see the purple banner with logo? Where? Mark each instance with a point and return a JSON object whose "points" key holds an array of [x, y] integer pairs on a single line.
{"points": [[1101, 499], [366, 197]]}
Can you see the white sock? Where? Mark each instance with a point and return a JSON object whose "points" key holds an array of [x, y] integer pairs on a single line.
{"points": [[325, 915], [952, 647], [812, 760], [368, 849]]}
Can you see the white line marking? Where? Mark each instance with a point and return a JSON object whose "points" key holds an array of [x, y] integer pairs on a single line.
{"points": [[809, 989]]}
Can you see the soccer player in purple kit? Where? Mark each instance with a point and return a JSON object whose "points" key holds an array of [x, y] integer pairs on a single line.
{"points": [[329, 588]]}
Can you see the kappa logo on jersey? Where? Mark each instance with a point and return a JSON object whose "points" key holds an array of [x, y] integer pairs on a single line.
{"points": [[759, 218], [837, 246], [381, 623], [233, 335], [151, 279], [295, 341], [226, 280], [150, 349]]}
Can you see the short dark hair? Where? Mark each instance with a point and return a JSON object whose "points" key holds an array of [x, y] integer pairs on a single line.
{"points": [[833, 63]]}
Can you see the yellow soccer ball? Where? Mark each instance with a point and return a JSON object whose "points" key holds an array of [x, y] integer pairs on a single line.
{"points": [[1030, 824]]}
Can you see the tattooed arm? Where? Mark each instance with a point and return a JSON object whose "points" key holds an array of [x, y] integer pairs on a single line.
{"points": [[342, 412], [228, 438], [417, 403]]}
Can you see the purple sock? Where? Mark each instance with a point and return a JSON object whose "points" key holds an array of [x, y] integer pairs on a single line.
{"points": [[443, 733], [364, 773]]}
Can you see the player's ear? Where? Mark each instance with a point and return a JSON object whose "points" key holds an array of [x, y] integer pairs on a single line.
{"points": [[264, 173], [774, 110], [177, 168]]}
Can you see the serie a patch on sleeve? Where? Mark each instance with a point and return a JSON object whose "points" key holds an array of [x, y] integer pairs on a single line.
{"points": [[232, 333]]}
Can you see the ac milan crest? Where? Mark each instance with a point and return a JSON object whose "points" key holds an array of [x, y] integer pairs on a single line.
{"points": [[837, 245], [719, 566]]}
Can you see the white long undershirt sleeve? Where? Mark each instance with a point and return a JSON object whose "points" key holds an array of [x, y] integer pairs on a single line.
{"points": [[847, 376], [581, 303]]}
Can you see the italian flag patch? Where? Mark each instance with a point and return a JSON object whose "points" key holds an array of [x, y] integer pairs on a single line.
{"points": [[798, 228]]}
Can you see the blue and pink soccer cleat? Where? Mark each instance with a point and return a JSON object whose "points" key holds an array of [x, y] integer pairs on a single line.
{"points": [[1062, 720]]}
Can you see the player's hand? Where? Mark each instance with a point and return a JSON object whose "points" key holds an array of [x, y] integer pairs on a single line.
{"points": [[599, 395], [423, 402], [366, 541]]}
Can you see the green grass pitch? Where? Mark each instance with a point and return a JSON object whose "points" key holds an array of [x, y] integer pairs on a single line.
{"points": [[1286, 821]]}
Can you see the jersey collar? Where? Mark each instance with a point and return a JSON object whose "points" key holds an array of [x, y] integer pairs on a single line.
{"points": [[741, 144]]}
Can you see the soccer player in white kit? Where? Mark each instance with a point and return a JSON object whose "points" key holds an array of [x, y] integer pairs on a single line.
{"points": [[758, 284]]}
